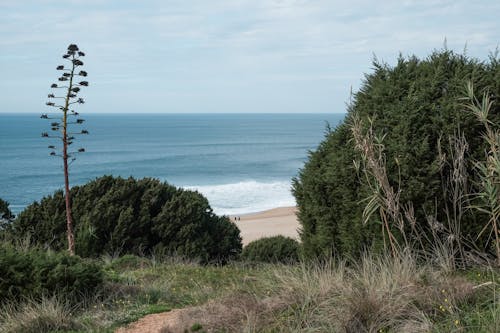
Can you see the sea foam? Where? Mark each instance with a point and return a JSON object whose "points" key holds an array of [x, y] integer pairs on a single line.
{"points": [[246, 196]]}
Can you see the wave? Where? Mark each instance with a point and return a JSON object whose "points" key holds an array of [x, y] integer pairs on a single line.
{"points": [[246, 196], [236, 198]]}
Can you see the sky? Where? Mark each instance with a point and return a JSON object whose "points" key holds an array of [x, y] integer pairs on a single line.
{"points": [[230, 56]]}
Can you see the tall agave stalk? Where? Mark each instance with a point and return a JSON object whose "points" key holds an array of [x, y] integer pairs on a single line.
{"points": [[60, 124]]}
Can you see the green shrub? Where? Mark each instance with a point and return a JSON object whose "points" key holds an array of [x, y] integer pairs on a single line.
{"points": [[16, 270], [415, 104], [6, 215], [272, 249], [5, 212], [129, 216], [35, 273]]}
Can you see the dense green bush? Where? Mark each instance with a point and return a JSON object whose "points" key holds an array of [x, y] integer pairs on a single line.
{"points": [[415, 104], [116, 215], [36, 273], [272, 249]]}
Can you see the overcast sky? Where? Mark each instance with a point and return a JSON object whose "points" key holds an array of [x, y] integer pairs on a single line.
{"points": [[225, 55]]}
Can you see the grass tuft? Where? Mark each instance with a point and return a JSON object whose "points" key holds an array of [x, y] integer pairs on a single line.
{"points": [[46, 315]]}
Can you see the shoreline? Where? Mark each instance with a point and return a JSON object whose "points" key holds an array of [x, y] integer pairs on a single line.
{"points": [[272, 222]]}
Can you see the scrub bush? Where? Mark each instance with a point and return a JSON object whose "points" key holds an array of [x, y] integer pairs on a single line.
{"points": [[132, 216], [35, 273], [272, 250], [416, 107]]}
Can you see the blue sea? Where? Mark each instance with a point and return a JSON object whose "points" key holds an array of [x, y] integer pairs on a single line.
{"points": [[241, 162]]}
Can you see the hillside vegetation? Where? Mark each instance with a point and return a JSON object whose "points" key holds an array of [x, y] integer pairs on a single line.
{"points": [[375, 294]]}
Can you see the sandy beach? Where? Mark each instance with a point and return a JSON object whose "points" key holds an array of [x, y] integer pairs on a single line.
{"points": [[273, 222]]}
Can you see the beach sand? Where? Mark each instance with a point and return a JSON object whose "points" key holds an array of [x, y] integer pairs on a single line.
{"points": [[273, 222]]}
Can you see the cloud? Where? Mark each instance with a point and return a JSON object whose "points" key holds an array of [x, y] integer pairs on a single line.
{"points": [[177, 46]]}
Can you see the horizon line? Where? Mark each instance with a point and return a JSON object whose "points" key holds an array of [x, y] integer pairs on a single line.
{"points": [[172, 113]]}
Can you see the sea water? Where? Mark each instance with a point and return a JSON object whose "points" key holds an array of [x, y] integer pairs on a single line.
{"points": [[241, 162]]}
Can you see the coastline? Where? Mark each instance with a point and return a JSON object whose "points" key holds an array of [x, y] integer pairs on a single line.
{"points": [[273, 222]]}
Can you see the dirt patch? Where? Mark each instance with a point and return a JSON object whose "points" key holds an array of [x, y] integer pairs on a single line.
{"points": [[233, 313], [173, 321]]}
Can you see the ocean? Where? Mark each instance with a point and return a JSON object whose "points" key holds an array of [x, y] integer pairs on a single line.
{"points": [[241, 162]]}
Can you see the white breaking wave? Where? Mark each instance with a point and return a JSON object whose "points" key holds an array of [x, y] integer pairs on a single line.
{"points": [[247, 196]]}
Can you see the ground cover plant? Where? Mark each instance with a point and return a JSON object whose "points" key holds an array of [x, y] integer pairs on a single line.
{"points": [[33, 273]]}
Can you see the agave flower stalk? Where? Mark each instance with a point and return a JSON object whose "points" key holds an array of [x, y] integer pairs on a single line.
{"points": [[60, 123]]}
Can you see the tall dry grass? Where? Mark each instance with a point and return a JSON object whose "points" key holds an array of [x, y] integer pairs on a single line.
{"points": [[35, 316], [385, 198], [456, 190], [489, 169], [378, 294]]}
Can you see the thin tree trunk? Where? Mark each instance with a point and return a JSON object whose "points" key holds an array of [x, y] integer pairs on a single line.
{"points": [[69, 219]]}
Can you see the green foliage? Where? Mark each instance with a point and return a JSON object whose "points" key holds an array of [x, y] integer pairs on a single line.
{"points": [[5, 212], [196, 327], [6, 215], [36, 273], [128, 262], [116, 215], [272, 249], [415, 104]]}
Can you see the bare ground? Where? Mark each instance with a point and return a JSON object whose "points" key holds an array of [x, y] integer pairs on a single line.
{"points": [[166, 322], [232, 313]]}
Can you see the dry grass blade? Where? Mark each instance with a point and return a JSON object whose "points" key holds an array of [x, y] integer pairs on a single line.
{"points": [[47, 315], [378, 293], [385, 198], [489, 170]]}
